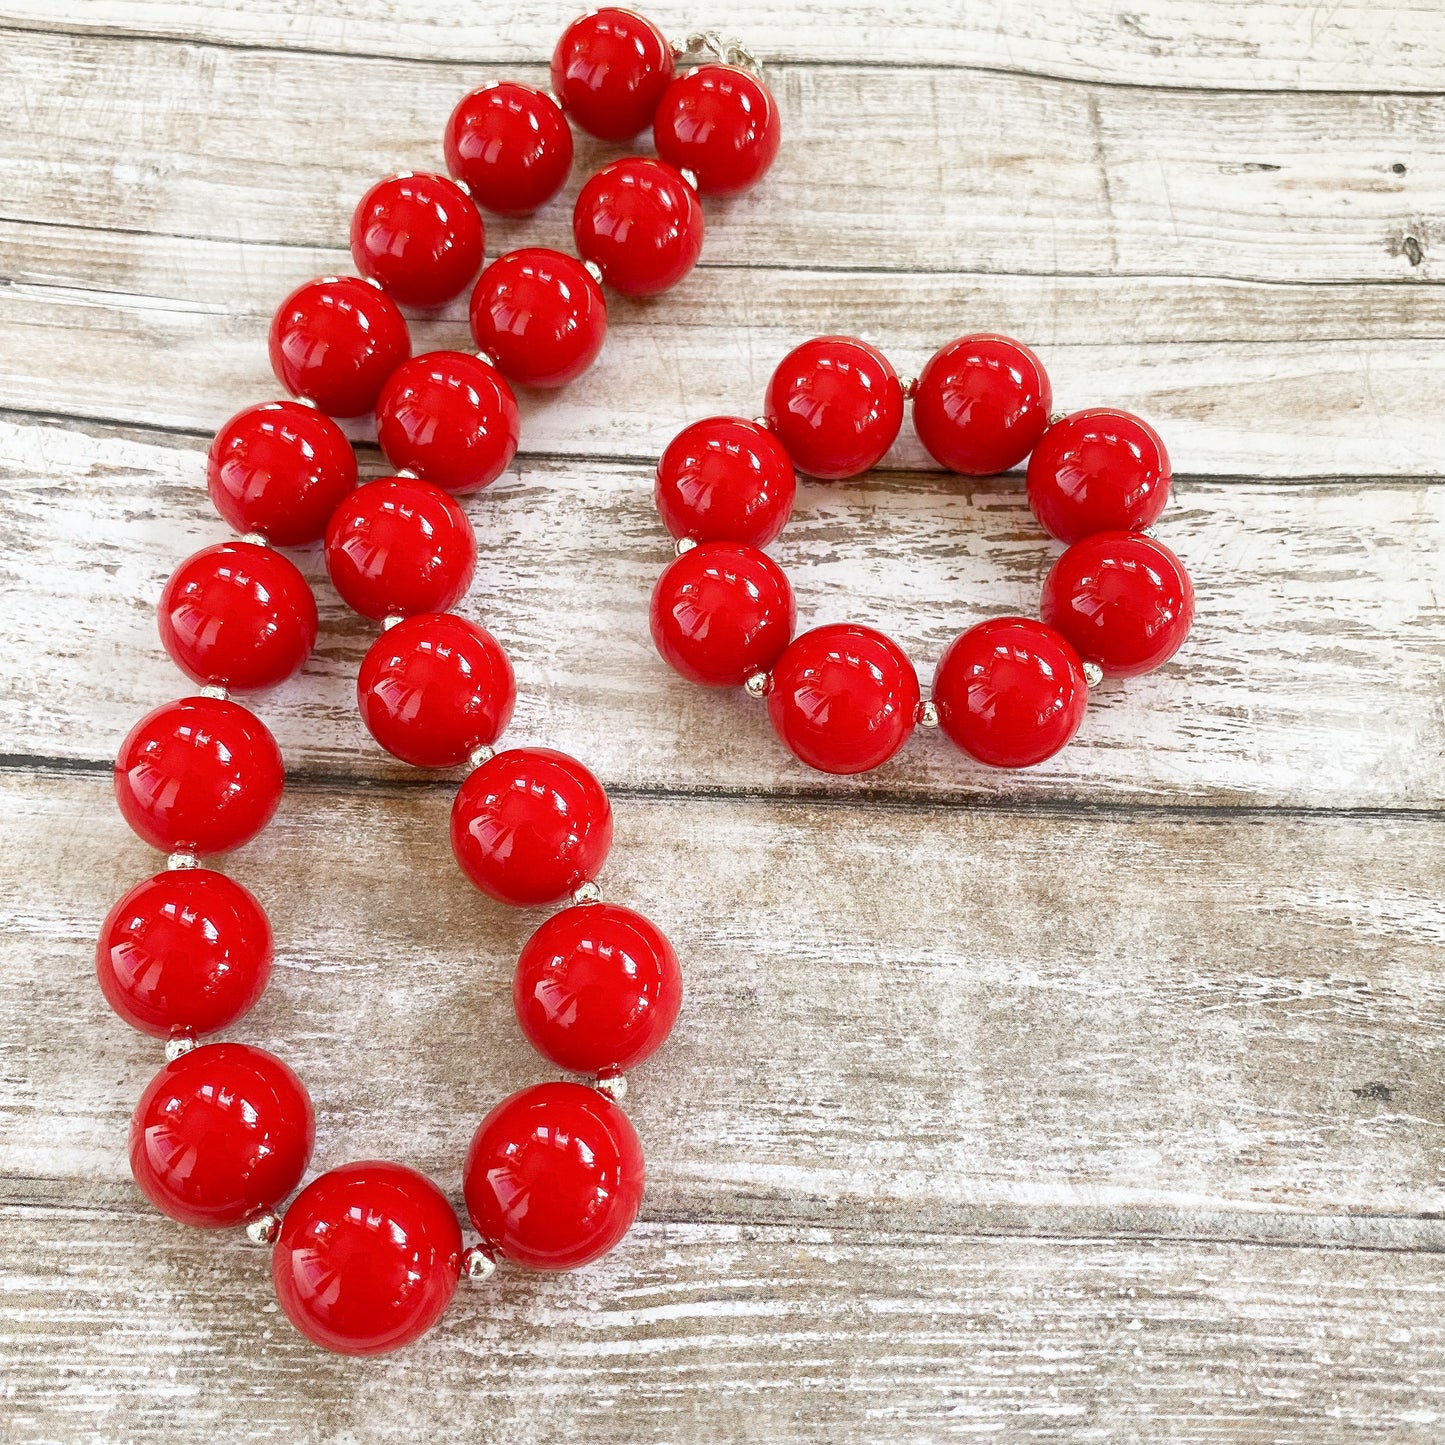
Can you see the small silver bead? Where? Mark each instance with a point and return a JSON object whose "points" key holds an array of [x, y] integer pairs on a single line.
{"points": [[372, 281], [481, 754], [684, 544], [1093, 674], [553, 97], [1055, 417], [1150, 533], [487, 357], [760, 684], [307, 401], [462, 186], [182, 860], [256, 539], [593, 270], [689, 176], [613, 1085], [587, 892], [387, 623], [763, 421], [909, 385], [179, 1046], [402, 175], [478, 1266], [405, 472], [928, 714], [264, 1229], [215, 689]]}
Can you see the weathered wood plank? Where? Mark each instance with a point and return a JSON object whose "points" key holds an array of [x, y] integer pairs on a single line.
{"points": [[979, 172], [1243, 379], [1312, 677], [923, 1018], [1265, 44]]}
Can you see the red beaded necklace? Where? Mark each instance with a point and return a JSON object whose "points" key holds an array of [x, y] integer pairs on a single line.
{"points": [[368, 1255]]}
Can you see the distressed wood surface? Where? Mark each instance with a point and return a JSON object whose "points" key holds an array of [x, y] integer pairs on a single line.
{"points": [[1098, 1102]]}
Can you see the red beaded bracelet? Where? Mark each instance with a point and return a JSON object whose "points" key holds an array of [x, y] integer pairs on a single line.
{"points": [[1009, 692], [368, 1255]]}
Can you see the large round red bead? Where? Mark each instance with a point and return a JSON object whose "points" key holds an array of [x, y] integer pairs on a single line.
{"points": [[597, 988], [188, 951], [554, 1176], [1010, 692], [280, 469], [450, 418], [1123, 600], [400, 546], [640, 224], [419, 237], [844, 698], [531, 825], [721, 123], [981, 404], [433, 688], [221, 1135], [836, 404], [237, 615], [336, 341], [1098, 471], [721, 612], [510, 146], [202, 775], [368, 1258], [725, 480], [609, 70], [540, 316]]}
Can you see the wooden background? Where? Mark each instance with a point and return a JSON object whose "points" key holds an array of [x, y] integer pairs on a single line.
{"points": [[1099, 1102]]}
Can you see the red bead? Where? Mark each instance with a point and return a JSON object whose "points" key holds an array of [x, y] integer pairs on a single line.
{"points": [[836, 404], [434, 687], [722, 612], [510, 146], [609, 70], [531, 825], [280, 469], [725, 480], [1098, 471], [540, 316], [450, 418], [640, 224], [1123, 600], [418, 236], [336, 341], [844, 698], [400, 546], [981, 404], [188, 951], [238, 615], [368, 1258], [1010, 692], [597, 988], [721, 123], [554, 1176], [221, 1135], [202, 775]]}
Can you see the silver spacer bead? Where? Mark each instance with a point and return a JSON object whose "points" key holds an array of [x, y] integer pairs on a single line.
{"points": [[478, 1264], [684, 545], [462, 186], [689, 176], [487, 357], [1149, 532], [481, 754], [179, 1046], [760, 684], [372, 281], [910, 387], [587, 892], [554, 98], [264, 1228], [182, 860], [256, 539], [405, 472], [387, 623], [614, 1086], [1055, 417], [764, 422], [306, 401], [928, 714], [217, 690], [1093, 674], [593, 270], [402, 175]]}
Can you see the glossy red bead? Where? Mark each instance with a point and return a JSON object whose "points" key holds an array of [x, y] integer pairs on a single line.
{"points": [[188, 951], [1010, 692], [336, 341], [981, 404], [721, 612], [450, 418], [540, 316], [419, 237], [725, 480], [1122, 599], [368, 1258], [844, 698], [510, 145], [721, 123], [239, 616], [531, 825], [202, 775], [554, 1176], [399, 546], [836, 404], [280, 469], [609, 70], [640, 224], [433, 688], [1098, 471], [597, 988], [221, 1135]]}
